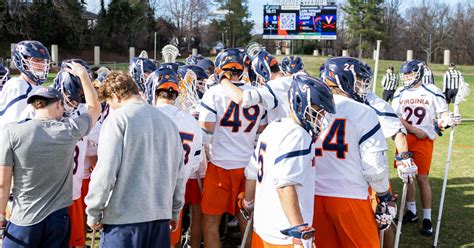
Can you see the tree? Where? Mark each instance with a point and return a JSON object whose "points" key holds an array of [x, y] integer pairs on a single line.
{"points": [[236, 22], [365, 21]]}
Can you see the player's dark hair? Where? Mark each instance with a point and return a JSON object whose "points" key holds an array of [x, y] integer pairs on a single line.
{"points": [[168, 94], [275, 68], [41, 102]]}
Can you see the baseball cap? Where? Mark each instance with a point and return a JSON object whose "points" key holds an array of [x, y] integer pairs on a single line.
{"points": [[46, 92]]}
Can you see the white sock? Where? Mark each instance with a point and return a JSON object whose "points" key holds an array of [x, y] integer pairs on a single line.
{"points": [[427, 213], [411, 206]]}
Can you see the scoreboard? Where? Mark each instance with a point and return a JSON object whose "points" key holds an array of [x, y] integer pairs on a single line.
{"points": [[299, 22]]}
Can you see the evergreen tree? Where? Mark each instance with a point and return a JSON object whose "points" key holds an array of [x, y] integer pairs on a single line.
{"points": [[236, 23]]}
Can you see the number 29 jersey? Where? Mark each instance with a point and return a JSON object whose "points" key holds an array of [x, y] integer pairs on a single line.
{"points": [[283, 156], [236, 128], [418, 106], [355, 131]]}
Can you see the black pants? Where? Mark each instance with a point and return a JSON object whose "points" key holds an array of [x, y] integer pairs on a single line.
{"points": [[388, 95], [146, 234], [450, 95]]}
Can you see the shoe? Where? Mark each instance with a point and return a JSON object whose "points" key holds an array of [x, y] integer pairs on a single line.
{"points": [[233, 223], [427, 228], [409, 217]]}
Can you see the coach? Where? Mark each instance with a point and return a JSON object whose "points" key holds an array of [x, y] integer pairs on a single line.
{"points": [[135, 188], [39, 153]]}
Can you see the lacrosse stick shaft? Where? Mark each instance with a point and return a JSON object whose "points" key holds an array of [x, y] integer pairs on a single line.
{"points": [[445, 181], [381, 233], [93, 238], [400, 215], [246, 233]]}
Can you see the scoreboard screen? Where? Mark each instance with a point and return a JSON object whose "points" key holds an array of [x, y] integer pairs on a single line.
{"points": [[299, 22]]}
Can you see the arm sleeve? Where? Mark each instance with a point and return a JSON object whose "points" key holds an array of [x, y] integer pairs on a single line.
{"points": [[396, 105], [207, 109], [178, 194], [198, 152], [12, 103], [6, 152], [251, 168], [439, 101], [104, 176], [293, 155], [384, 79], [372, 138], [269, 99], [375, 170]]}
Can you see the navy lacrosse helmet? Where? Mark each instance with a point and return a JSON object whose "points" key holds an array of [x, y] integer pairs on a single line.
{"points": [[27, 50], [292, 64], [4, 75], [207, 65], [306, 91], [229, 59], [164, 79], [171, 65], [200, 73], [194, 59], [348, 74], [79, 61], [137, 69], [71, 88], [262, 63], [411, 72]]}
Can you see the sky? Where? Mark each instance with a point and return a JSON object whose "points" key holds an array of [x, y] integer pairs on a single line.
{"points": [[256, 9]]}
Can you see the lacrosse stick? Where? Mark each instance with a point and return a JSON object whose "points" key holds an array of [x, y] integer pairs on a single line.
{"points": [[381, 233], [170, 53], [188, 96], [93, 238], [253, 48], [246, 233], [143, 54], [463, 92], [400, 219]]}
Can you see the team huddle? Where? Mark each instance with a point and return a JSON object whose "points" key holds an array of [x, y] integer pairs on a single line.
{"points": [[299, 160]]}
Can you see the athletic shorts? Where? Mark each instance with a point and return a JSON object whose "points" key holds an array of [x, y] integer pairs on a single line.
{"points": [[193, 195], [258, 242], [344, 222], [175, 236], [76, 213], [221, 189], [422, 150], [85, 190]]}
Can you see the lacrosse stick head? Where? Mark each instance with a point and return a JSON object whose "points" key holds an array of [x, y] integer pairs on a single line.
{"points": [[170, 53], [253, 48], [188, 96], [143, 54], [463, 92]]}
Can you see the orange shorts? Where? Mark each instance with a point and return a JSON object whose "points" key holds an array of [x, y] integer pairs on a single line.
{"points": [[76, 213], [175, 236], [221, 190], [258, 242], [344, 222], [422, 150], [85, 190], [193, 195]]}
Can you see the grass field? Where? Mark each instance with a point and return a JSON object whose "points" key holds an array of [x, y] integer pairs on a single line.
{"points": [[457, 228]]}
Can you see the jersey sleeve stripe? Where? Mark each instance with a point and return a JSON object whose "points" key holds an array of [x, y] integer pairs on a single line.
{"points": [[208, 108], [380, 113], [20, 97], [275, 100], [293, 154], [430, 91], [369, 134], [197, 153]]}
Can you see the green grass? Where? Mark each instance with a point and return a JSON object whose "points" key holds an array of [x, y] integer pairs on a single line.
{"points": [[458, 215]]}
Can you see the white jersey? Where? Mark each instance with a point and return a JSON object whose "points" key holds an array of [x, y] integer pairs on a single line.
{"points": [[355, 131], [284, 156], [13, 98], [389, 121], [419, 106], [275, 98], [79, 158], [236, 128], [191, 136]]}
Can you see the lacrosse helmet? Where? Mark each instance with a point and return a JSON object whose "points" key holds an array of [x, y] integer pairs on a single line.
{"points": [[32, 59], [70, 87], [161, 79], [138, 69], [292, 64], [262, 64], [411, 72], [305, 92]]}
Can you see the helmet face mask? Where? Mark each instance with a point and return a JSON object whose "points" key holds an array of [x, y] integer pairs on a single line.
{"points": [[362, 87], [317, 118], [32, 59]]}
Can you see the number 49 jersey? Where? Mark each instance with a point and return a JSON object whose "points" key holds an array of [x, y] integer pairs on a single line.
{"points": [[418, 106], [236, 127], [355, 131], [284, 156]]}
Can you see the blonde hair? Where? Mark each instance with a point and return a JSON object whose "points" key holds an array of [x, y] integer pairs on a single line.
{"points": [[119, 83]]}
